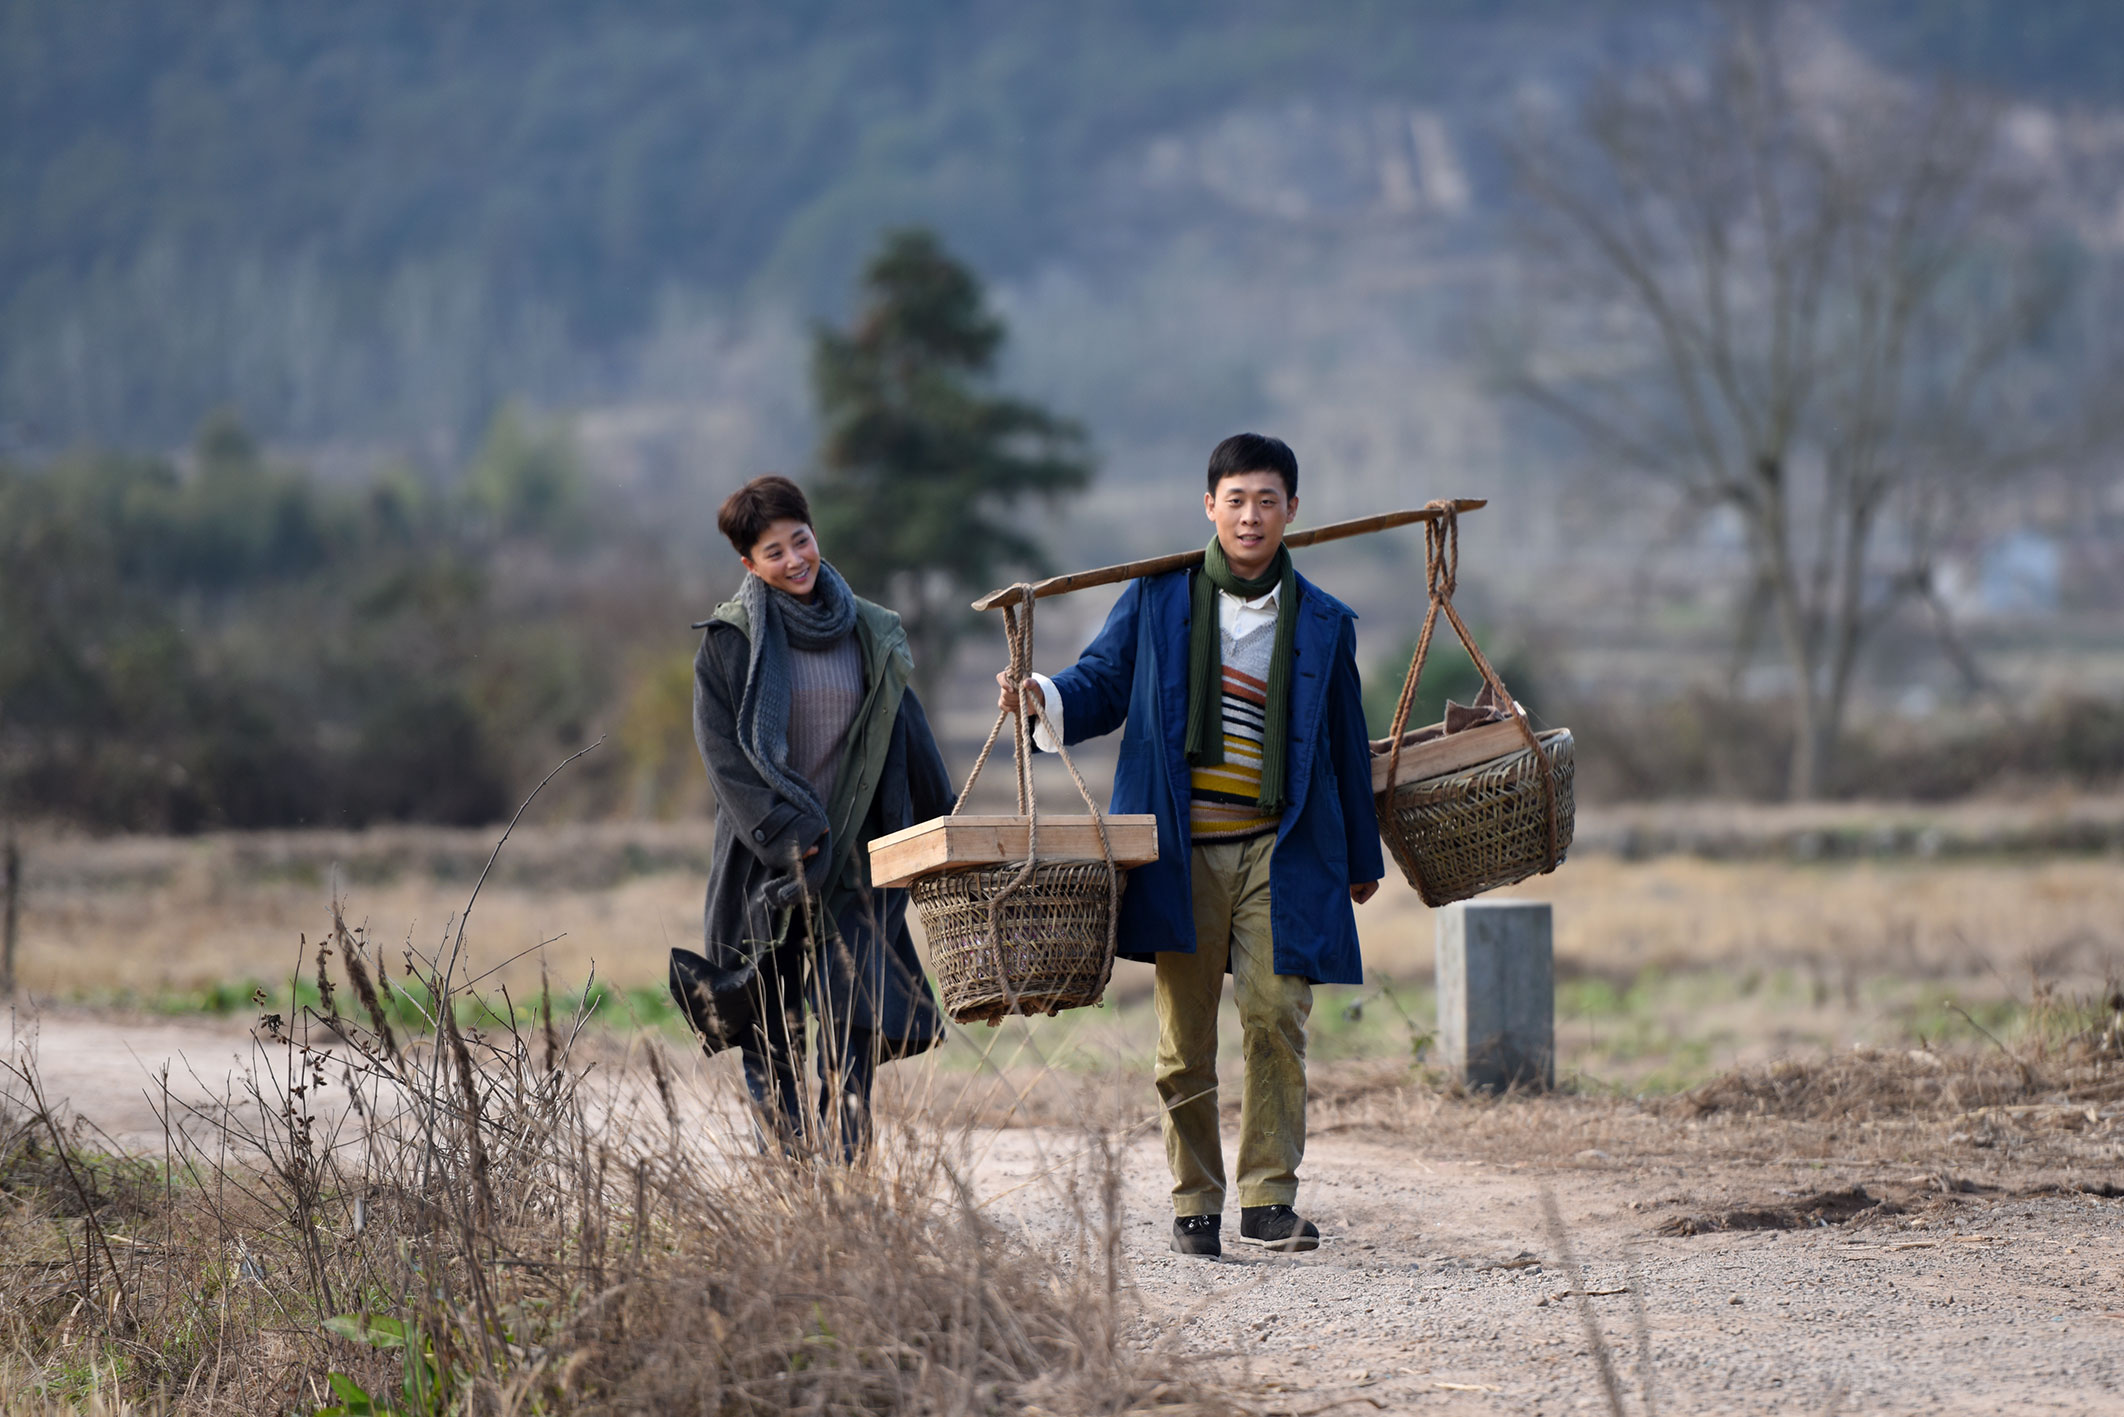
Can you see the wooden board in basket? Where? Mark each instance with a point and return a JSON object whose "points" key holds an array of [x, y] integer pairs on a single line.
{"points": [[960, 840], [1463, 813]]}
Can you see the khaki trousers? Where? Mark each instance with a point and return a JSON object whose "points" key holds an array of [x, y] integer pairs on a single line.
{"points": [[1231, 899]]}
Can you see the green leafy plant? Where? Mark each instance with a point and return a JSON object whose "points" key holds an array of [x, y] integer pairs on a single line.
{"points": [[424, 1389]]}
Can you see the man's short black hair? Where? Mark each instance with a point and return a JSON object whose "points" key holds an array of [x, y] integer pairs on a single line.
{"points": [[748, 512], [1254, 452]]}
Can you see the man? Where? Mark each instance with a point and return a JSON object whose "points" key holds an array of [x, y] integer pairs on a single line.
{"points": [[815, 745], [1245, 736]]}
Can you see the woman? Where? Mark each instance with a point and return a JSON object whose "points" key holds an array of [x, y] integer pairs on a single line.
{"points": [[815, 745]]}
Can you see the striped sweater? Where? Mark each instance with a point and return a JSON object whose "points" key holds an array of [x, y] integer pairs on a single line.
{"points": [[1224, 800]]}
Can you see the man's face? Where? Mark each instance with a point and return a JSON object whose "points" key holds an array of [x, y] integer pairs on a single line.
{"points": [[1250, 510], [786, 557]]}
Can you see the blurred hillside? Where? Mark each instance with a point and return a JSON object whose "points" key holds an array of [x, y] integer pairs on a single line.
{"points": [[372, 224], [368, 229], [225, 641]]}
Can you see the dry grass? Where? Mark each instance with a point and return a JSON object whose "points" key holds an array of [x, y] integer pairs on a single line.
{"points": [[2067, 1060], [1913, 918], [463, 1223], [157, 916], [2038, 1107], [1673, 970], [560, 1239], [148, 917]]}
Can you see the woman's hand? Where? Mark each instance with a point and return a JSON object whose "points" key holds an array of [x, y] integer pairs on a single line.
{"points": [[1363, 892]]}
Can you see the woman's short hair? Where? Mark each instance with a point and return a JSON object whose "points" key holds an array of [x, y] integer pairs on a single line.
{"points": [[748, 512]]}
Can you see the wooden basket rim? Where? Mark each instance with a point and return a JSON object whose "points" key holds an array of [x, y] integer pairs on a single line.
{"points": [[1547, 737]]}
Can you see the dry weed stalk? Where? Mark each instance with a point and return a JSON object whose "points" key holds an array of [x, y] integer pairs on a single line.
{"points": [[451, 1218], [467, 1233], [1567, 1261]]}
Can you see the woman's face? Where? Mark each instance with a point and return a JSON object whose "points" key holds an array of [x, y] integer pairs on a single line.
{"points": [[786, 557]]}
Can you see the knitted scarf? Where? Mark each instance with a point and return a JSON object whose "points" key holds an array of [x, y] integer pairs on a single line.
{"points": [[778, 621], [1205, 666]]}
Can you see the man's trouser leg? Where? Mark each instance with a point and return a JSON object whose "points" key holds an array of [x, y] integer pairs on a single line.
{"points": [[1189, 988], [1273, 1010], [1231, 903]]}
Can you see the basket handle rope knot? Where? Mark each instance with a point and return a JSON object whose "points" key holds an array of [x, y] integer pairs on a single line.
{"points": [[1441, 576], [1018, 636]]}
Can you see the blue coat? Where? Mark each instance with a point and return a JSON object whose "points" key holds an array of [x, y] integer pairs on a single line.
{"points": [[1135, 672]]}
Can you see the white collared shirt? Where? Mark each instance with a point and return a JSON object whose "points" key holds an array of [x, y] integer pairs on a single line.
{"points": [[1236, 617]]}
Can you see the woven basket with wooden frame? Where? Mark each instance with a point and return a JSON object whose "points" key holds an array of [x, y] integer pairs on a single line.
{"points": [[1017, 924], [1463, 813]]}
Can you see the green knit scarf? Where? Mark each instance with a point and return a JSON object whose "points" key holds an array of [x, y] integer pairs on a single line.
{"points": [[1205, 666]]}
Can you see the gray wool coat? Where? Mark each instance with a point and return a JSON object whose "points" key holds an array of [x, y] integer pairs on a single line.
{"points": [[891, 776]]}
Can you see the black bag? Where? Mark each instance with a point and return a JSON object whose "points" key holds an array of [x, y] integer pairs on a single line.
{"points": [[720, 1011]]}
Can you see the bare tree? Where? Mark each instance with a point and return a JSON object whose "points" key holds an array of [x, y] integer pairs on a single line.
{"points": [[1819, 299]]}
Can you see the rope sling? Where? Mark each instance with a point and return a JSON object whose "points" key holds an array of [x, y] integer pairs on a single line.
{"points": [[1500, 821], [1028, 937]]}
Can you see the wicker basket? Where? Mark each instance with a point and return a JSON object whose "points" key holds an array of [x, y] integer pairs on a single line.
{"points": [[1486, 826], [1471, 829], [1056, 948]]}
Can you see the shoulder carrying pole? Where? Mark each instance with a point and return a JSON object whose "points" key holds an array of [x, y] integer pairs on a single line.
{"points": [[1187, 560]]}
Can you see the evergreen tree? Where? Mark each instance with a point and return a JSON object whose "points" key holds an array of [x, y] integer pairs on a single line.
{"points": [[926, 469], [527, 481]]}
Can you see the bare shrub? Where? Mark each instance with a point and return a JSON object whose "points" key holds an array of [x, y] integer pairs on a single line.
{"points": [[463, 1217]]}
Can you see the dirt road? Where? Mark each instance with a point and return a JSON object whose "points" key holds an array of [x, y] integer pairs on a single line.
{"points": [[1427, 1294], [1438, 1288]]}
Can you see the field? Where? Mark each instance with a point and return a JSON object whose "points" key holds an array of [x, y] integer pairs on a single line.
{"points": [[1672, 968], [1836, 1133]]}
